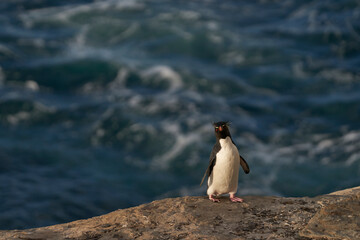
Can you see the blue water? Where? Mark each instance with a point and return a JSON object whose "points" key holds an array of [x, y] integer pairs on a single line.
{"points": [[108, 104]]}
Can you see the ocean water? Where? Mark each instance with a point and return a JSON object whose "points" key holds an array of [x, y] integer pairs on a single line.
{"points": [[108, 104]]}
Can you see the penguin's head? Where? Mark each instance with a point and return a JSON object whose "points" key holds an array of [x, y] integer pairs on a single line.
{"points": [[221, 129]]}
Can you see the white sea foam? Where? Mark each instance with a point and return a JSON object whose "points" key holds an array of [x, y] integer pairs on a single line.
{"points": [[298, 70], [32, 85], [95, 139], [339, 76], [324, 145], [182, 140], [164, 73], [189, 15], [128, 32], [351, 137], [352, 159], [14, 119], [7, 51], [233, 58], [120, 79], [324, 148], [64, 13]]}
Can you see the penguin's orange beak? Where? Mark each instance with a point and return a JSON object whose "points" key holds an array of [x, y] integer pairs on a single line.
{"points": [[220, 128]]}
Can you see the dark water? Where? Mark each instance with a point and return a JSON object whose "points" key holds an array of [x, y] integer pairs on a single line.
{"points": [[108, 104]]}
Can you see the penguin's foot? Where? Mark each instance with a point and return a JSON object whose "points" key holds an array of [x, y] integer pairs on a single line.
{"points": [[235, 199], [213, 199]]}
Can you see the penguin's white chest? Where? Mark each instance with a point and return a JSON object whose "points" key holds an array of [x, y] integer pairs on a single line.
{"points": [[224, 177]]}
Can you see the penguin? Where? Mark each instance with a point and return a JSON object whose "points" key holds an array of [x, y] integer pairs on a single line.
{"points": [[224, 164]]}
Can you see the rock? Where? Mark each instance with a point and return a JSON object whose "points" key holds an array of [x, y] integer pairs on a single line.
{"points": [[337, 220], [332, 216]]}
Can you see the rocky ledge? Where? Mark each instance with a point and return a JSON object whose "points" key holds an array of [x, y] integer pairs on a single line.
{"points": [[332, 216]]}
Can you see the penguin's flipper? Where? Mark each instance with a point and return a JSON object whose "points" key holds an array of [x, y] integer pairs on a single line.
{"points": [[209, 169], [212, 161], [244, 165]]}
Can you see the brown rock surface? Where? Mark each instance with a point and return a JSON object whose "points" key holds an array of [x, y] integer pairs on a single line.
{"points": [[333, 216], [337, 220]]}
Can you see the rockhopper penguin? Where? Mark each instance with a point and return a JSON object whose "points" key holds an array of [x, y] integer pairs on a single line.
{"points": [[224, 164]]}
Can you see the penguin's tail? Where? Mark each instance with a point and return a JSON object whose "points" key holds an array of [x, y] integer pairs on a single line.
{"points": [[202, 180]]}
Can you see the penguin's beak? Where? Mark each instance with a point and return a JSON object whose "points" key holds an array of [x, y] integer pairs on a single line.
{"points": [[220, 128]]}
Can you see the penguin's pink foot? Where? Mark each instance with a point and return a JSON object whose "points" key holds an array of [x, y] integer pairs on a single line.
{"points": [[213, 199], [235, 199]]}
